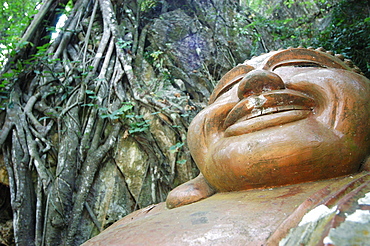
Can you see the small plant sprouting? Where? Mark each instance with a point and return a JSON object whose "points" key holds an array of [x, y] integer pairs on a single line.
{"points": [[136, 123], [139, 126], [175, 148], [181, 162], [122, 112], [124, 44]]}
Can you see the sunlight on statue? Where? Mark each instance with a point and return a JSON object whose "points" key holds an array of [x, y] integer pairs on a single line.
{"points": [[282, 118]]}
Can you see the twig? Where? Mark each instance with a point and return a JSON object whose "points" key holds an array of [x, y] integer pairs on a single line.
{"points": [[88, 33], [93, 217], [89, 169]]}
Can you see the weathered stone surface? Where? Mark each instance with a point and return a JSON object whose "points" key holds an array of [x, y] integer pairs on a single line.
{"points": [[193, 46], [3, 173], [110, 199], [132, 161], [187, 44], [165, 138], [346, 223], [6, 215]]}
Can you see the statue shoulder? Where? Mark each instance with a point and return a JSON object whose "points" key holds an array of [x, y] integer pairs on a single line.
{"points": [[335, 215]]}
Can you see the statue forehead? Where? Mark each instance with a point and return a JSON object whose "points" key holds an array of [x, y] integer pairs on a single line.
{"points": [[274, 59]]}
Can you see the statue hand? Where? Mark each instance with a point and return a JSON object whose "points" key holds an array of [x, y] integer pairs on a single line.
{"points": [[189, 192]]}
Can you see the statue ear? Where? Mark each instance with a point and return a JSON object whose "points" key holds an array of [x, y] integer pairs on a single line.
{"points": [[366, 165]]}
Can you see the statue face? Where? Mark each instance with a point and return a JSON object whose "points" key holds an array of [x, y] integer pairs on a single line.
{"points": [[286, 117]]}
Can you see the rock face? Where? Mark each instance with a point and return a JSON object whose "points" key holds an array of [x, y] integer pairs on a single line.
{"points": [[211, 42], [6, 215], [4, 179]]}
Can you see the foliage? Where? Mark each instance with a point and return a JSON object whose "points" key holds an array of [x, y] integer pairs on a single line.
{"points": [[284, 31], [253, 4], [124, 44], [176, 147], [146, 5], [136, 123], [15, 16], [349, 32]]}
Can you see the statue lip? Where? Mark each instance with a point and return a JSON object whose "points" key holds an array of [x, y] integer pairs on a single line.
{"points": [[267, 109]]}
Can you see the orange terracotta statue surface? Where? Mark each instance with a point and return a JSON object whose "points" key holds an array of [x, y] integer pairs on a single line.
{"points": [[282, 118]]}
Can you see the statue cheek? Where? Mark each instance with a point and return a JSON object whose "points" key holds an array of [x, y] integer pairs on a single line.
{"points": [[196, 138], [206, 129], [350, 103]]}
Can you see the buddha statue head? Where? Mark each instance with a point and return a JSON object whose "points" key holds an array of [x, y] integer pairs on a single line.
{"points": [[286, 117]]}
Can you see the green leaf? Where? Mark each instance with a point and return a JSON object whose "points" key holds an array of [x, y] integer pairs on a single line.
{"points": [[181, 162], [7, 75], [126, 107], [88, 105], [130, 116], [176, 147]]}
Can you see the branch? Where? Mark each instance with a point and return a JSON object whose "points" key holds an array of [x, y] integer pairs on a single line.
{"points": [[101, 94], [37, 21], [28, 110], [89, 32], [43, 173], [126, 59], [8, 125], [89, 169]]}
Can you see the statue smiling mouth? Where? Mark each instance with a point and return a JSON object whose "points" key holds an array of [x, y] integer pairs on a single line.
{"points": [[268, 109]]}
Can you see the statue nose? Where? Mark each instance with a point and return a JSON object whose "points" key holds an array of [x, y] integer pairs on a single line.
{"points": [[258, 81]]}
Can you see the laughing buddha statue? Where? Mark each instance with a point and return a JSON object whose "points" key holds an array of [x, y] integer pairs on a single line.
{"points": [[282, 149]]}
